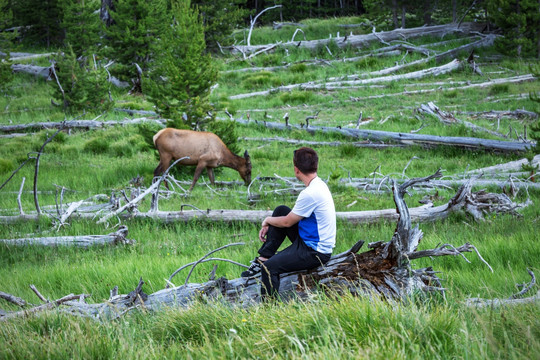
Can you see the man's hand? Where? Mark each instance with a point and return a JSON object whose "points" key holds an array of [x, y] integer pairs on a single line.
{"points": [[263, 232]]}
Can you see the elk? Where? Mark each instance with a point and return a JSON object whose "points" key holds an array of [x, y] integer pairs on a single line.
{"points": [[204, 149]]}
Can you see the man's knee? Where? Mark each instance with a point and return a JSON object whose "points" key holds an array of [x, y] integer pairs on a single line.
{"points": [[281, 210]]}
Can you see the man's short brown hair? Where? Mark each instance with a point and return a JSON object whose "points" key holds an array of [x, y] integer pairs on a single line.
{"points": [[306, 160]]}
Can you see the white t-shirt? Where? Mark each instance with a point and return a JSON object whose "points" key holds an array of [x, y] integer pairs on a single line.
{"points": [[318, 226]]}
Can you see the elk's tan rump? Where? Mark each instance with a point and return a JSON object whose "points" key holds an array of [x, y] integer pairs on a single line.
{"points": [[204, 149]]}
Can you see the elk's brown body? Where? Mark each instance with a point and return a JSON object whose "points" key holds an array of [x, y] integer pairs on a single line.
{"points": [[204, 149]]}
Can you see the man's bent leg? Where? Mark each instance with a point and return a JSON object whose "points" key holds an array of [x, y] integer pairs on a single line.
{"points": [[296, 257], [275, 235]]}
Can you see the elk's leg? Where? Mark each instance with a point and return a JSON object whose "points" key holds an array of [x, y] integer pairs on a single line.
{"points": [[210, 174], [198, 171], [164, 162]]}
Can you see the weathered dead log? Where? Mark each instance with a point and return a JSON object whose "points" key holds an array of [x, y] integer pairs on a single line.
{"points": [[409, 139], [45, 72], [384, 271], [447, 118], [77, 124], [509, 166], [41, 71], [118, 237], [318, 61], [493, 114], [434, 71], [359, 41], [483, 42], [362, 144], [516, 299], [509, 80]]}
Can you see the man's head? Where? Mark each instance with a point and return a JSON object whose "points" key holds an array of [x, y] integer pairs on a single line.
{"points": [[306, 160]]}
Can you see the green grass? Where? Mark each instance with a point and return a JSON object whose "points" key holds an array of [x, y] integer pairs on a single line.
{"points": [[94, 162]]}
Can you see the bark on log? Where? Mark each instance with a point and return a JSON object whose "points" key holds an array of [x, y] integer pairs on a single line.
{"points": [[409, 139], [77, 124], [385, 270], [509, 80], [362, 144], [40, 71], [447, 118], [434, 71], [359, 41], [118, 237]]}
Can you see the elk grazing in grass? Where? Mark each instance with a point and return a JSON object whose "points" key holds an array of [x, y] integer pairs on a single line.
{"points": [[204, 149]]}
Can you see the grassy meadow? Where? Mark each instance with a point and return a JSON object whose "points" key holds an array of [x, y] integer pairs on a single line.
{"points": [[104, 161]]}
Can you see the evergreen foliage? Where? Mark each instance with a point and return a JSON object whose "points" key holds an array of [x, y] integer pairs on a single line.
{"points": [[41, 20], [6, 74], [137, 24], [86, 86], [82, 25], [179, 83], [519, 21], [220, 19]]}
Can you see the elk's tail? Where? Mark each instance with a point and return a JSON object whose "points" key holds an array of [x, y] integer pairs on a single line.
{"points": [[157, 136]]}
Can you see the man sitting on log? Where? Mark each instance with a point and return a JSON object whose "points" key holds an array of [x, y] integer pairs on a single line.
{"points": [[310, 226]]}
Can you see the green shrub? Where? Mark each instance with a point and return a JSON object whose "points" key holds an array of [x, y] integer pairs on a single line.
{"points": [[451, 94], [260, 79], [122, 149], [348, 150], [271, 60], [298, 68], [97, 145], [6, 166], [296, 97], [498, 89], [366, 63]]}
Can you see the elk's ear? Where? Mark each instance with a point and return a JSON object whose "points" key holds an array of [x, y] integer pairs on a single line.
{"points": [[246, 155]]}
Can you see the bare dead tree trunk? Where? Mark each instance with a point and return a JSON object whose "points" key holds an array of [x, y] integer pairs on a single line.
{"points": [[104, 13]]}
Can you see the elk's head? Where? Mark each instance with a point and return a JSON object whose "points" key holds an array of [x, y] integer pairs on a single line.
{"points": [[245, 169]]}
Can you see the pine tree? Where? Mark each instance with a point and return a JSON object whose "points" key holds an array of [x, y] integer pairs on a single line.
{"points": [[6, 17], [42, 20], [81, 85], [220, 19], [136, 26], [82, 25], [520, 22], [179, 84]]}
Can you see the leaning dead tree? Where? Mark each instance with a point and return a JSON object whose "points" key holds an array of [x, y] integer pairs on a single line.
{"points": [[384, 270]]}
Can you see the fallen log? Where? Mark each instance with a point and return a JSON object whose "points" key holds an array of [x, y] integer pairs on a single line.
{"points": [[385, 270], [118, 237], [447, 118], [40, 71], [359, 41], [77, 124], [362, 144], [509, 80], [434, 71], [408, 139]]}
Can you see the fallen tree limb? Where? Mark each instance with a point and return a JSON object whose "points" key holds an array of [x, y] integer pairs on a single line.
{"points": [[447, 118], [513, 300], [359, 41], [118, 237], [509, 80], [434, 71], [363, 144], [408, 139], [77, 124]]}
